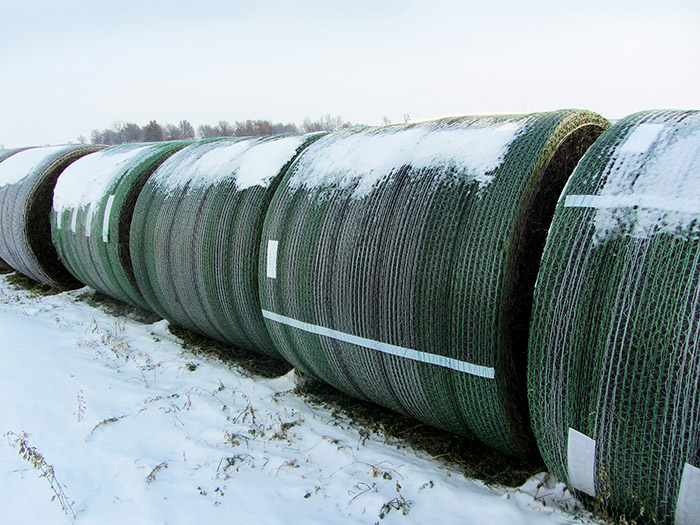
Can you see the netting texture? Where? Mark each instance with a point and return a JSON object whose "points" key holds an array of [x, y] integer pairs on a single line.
{"points": [[195, 235], [397, 263], [94, 201], [614, 339], [27, 180], [5, 153]]}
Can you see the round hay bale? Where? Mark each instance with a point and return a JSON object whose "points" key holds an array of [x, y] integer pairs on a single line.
{"points": [[27, 179], [614, 360], [195, 235], [398, 263], [5, 153], [93, 203]]}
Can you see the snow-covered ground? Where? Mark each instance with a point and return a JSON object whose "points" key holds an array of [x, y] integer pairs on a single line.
{"points": [[138, 430]]}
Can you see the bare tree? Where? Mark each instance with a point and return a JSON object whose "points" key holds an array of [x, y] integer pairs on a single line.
{"points": [[224, 129], [110, 137], [278, 128], [132, 132], [96, 136], [245, 128], [324, 123], [172, 132], [118, 129], [262, 128], [82, 139], [186, 130], [205, 131], [153, 132]]}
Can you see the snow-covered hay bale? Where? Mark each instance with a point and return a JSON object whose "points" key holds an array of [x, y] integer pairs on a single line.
{"points": [[397, 263], [614, 362], [93, 203], [195, 235], [5, 153], [27, 179]]}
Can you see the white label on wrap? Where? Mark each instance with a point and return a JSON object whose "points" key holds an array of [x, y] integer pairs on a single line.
{"points": [[105, 220], [581, 462], [88, 221], [272, 259], [641, 139], [73, 219], [58, 219], [688, 505]]}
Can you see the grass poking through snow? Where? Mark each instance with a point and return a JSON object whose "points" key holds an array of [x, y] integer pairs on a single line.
{"points": [[472, 458]]}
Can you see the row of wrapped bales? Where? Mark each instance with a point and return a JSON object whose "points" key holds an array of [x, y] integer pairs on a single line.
{"points": [[27, 180], [195, 235], [93, 203], [614, 364], [397, 263]]}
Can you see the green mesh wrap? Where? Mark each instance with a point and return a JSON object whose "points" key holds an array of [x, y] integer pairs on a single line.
{"points": [[195, 235], [614, 351], [94, 201], [27, 179], [420, 240]]}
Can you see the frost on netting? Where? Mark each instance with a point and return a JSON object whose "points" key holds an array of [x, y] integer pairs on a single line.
{"points": [[362, 159], [614, 352], [87, 180], [250, 162], [6, 153], [652, 182], [93, 204], [27, 180], [397, 263], [23, 163], [195, 235]]}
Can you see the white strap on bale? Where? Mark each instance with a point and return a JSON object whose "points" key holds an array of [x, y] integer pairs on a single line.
{"points": [[74, 220], [105, 220], [635, 200], [272, 259], [581, 462], [688, 504], [88, 221], [386, 348]]}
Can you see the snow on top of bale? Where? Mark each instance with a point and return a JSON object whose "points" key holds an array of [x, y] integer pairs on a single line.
{"points": [[87, 180], [652, 183], [18, 166], [251, 162], [369, 156]]}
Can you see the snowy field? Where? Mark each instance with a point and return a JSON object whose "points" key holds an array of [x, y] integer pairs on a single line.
{"points": [[131, 428]]}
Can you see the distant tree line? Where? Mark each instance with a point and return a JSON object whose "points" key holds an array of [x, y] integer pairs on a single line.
{"points": [[122, 133]]}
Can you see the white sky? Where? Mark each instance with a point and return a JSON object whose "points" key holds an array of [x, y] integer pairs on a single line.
{"points": [[72, 66]]}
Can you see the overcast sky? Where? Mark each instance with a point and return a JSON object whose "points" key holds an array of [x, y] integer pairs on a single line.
{"points": [[72, 66]]}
